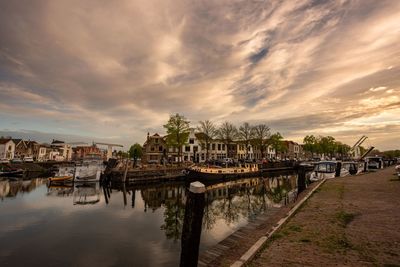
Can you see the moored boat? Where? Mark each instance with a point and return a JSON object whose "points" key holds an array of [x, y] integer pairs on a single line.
{"points": [[59, 179], [398, 170], [217, 173], [332, 169]]}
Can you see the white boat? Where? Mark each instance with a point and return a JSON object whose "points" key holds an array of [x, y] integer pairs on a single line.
{"points": [[332, 169], [398, 170], [88, 171]]}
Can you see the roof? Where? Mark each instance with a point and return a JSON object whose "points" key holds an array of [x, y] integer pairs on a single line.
{"points": [[57, 142], [5, 140]]}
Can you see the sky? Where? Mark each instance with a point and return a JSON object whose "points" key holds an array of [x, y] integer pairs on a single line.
{"points": [[115, 70]]}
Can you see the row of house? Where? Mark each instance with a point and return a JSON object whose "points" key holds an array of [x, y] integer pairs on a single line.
{"points": [[57, 150], [156, 150]]}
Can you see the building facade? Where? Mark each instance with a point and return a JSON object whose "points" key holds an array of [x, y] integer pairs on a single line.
{"points": [[7, 148]]}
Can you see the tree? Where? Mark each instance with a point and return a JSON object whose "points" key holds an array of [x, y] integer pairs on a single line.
{"points": [[208, 132], [122, 154], [276, 142], [227, 132], [310, 144], [327, 145], [177, 132], [261, 135], [135, 152], [246, 134], [342, 149]]}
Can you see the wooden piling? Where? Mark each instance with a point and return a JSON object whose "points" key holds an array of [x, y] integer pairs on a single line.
{"points": [[301, 179], [191, 231]]}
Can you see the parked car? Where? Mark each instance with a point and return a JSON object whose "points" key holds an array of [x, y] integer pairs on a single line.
{"points": [[4, 161], [16, 160], [28, 159]]}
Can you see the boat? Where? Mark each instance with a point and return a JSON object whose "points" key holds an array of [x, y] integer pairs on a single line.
{"points": [[211, 173], [332, 169], [398, 170], [88, 171], [12, 173], [63, 175], [374, 162], [67, 178]]}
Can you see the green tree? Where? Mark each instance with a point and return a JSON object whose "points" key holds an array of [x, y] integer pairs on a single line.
{"points": [[178, 132], [135, 152], [276, 141], [122, 154], [327, 145], [342, 149], [246, 134], [310, 144], [227, 132], [208, 132], [261, 136]]}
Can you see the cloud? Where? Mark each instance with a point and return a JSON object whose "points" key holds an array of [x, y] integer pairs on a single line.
{"points": [[106, 69]]}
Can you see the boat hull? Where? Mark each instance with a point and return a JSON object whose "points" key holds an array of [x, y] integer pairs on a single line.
{"points": [[209, 177]]}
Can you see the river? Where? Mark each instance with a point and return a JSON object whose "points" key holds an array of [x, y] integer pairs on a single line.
{"points": [[87, 225]]}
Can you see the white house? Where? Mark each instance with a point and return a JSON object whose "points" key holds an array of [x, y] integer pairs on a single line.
{"points": [[7, 148]]}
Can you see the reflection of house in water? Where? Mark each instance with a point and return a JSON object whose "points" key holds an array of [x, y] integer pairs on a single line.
{"points": [[21, 186], [155, 197], [4, 189], [285, 185]]}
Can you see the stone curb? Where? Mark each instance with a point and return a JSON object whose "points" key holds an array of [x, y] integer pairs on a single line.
{"points": [[246, 257]]}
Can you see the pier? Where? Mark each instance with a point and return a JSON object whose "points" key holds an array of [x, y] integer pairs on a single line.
{"points": [[347, 221]]}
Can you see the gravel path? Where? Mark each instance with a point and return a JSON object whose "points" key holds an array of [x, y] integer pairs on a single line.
{"points": [[350, 221]]}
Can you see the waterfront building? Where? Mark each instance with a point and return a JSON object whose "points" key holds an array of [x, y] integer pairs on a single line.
{"points": [[7, 148], [155, 149], [292, 150], [192, 151], [20, 148], [64, 149], [85, 152]]}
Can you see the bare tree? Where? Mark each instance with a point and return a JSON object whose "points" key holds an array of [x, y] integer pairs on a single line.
{"points": [[261, 135], [227, 132], [207, 132], [246, 134]]}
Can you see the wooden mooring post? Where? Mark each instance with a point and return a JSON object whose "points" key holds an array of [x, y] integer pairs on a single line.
{"points": [[191, 230], [301, 179]]}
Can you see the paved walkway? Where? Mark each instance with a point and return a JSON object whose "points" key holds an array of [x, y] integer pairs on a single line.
{"points": [[350, 221]]}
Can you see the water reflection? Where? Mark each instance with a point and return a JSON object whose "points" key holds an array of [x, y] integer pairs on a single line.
{"points": [[144, 222], [9, 189]]}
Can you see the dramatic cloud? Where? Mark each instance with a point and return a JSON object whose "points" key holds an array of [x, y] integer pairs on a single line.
{"points": [[117, 70]]}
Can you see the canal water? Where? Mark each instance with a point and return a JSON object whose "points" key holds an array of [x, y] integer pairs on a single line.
{"points": [[87, 225]]}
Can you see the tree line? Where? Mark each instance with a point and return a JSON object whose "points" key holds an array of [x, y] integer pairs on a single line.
{"points": [[326, 145], [258, 135]]}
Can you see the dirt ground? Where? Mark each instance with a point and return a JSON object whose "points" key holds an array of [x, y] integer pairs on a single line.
{"points": [[349, 221]]}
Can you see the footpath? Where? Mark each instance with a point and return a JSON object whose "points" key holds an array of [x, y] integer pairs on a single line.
{"points": [[349, 221]]}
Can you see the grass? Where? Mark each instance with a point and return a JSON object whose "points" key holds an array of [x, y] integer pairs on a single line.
{"points": [[345, 218]]}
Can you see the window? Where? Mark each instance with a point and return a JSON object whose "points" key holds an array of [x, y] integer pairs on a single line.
{"points": [[187, 148], [152, 148], [219, 146], [160, 148], [156, 140], [191, 141], [195, 148], [223, 146], [213, 146]]}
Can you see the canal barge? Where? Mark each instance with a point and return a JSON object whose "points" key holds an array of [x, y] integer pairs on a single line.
{"points": [[212, 173]]}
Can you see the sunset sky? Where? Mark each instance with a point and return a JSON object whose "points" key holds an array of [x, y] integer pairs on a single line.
{"points": [[115, 70]]}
